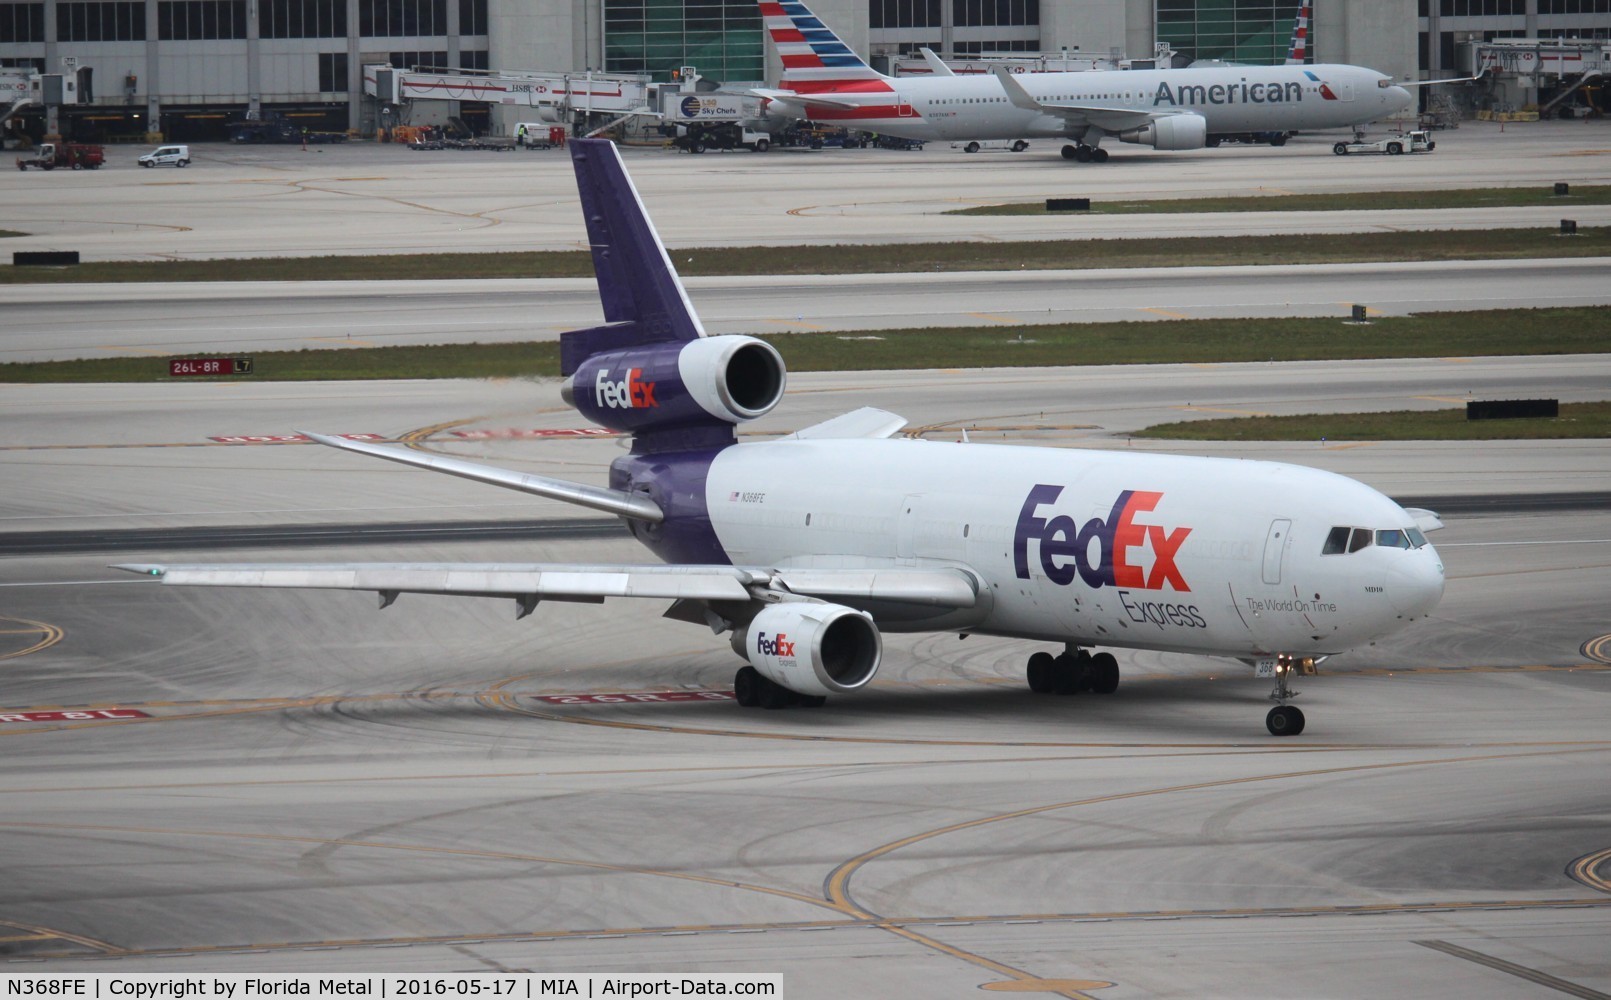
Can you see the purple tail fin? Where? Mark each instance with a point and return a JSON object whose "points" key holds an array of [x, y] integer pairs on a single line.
{"points": [[644, 301]]}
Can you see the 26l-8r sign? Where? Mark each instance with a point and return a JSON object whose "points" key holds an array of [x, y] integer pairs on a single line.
{"points": [[210, 366]]}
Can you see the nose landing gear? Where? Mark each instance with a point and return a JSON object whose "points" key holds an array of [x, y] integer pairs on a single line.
{"points": [[1284, 719]]}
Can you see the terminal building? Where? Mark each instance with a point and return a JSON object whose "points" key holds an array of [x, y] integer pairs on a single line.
{"points": [[181, 68]]}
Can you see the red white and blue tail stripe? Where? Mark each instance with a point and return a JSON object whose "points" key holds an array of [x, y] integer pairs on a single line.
{"points": [[1298, 52], [815, 60]]}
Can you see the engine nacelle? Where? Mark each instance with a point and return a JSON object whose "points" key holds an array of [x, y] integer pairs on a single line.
{"points": [[814, 649], [732, 379], [1171, 132]]}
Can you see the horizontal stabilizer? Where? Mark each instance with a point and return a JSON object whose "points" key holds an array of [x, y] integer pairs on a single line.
{"points": [[632, 505], [867, 422]]}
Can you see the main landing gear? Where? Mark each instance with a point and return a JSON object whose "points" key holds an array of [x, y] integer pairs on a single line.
{"points": [[1085, 154], [1284, 719], [1072, 671], [752, 690]]}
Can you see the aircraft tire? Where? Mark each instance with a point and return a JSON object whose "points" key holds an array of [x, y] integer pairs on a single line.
{"points": [[773, 696], [1284, 720], [1082, 154], [1069, 673], [1099, 155], [1104, 673], [1070, 153], [1042, 671], [747, 687]]}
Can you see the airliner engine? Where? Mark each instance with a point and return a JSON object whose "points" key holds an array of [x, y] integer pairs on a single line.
{"points": [[1172, 132], [732, 379], [811, 648]]}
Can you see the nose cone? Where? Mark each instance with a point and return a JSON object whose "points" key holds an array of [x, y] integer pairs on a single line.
{"points": [[1399, 99], [1415, 583]]}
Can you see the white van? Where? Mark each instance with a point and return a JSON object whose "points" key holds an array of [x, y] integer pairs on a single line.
{"points": [[179, 156], [1011, 145]]}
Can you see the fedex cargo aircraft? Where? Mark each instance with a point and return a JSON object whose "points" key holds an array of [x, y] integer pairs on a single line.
{"points": [[824, 80], [807, 549]]}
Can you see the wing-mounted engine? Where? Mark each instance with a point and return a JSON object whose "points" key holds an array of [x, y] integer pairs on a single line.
{"points": [[729, 379], [1170, 132], [812, 648]]}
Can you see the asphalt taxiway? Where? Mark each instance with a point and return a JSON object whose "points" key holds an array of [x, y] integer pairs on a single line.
{"points": [[163, 319], [281, 781], [256, 201]]}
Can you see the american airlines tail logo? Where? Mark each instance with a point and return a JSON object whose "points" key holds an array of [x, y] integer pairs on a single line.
{"points": [[631, 393], [1065, 547]]}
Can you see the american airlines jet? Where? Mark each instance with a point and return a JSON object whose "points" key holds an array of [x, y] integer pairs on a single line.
{"points": [[1169, 109], [807, 549]]}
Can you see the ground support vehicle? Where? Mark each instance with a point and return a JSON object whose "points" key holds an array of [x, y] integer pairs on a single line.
{"points": [[1410, 142], [696, 137], [68, 155], [974, 146], [178, 156]]}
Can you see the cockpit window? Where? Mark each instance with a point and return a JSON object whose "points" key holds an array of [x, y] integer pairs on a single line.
{"points": [[1392, 538], [1361, 539], [1336, 542], [1416, 538]]}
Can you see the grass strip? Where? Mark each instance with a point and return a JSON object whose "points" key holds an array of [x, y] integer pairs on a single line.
{"points": [[1321, 248], [1579, 330], [1577, 420], [1506, 197]]}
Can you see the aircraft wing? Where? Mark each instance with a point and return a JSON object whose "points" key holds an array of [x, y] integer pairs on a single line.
{"points": [[1108, 119], [596, 497], [529, 583]]}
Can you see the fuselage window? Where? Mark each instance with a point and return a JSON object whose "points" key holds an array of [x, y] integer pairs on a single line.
{"points": [[1361, 539], [1336, 542]]}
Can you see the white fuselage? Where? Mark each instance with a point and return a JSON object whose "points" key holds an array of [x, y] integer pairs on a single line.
{"points": [[1232, 99], [1212, 556]]}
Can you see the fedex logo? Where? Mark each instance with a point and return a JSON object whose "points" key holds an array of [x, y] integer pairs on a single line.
{"points": [[779, 645], [1065, 548], [631, 393]]}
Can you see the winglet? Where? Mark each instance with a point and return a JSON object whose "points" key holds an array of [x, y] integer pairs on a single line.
{"points": [[644, 300], [1015, 90], [936, 65]]}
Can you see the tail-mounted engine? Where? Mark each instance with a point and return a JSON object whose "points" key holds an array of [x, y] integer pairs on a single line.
{"points": [[730, 379], [1171, 132], [811, 648]]}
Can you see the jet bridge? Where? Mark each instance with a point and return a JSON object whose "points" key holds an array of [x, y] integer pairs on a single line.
{"points": [[1548, 72], [569, 98]]}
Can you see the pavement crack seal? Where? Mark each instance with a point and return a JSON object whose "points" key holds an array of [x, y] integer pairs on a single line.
{"points": [[1519, 971]]}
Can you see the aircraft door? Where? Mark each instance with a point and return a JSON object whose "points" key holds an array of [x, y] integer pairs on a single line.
{"points": [[906, 526], [1275, 549], [1344, 89], [903, 108]]}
